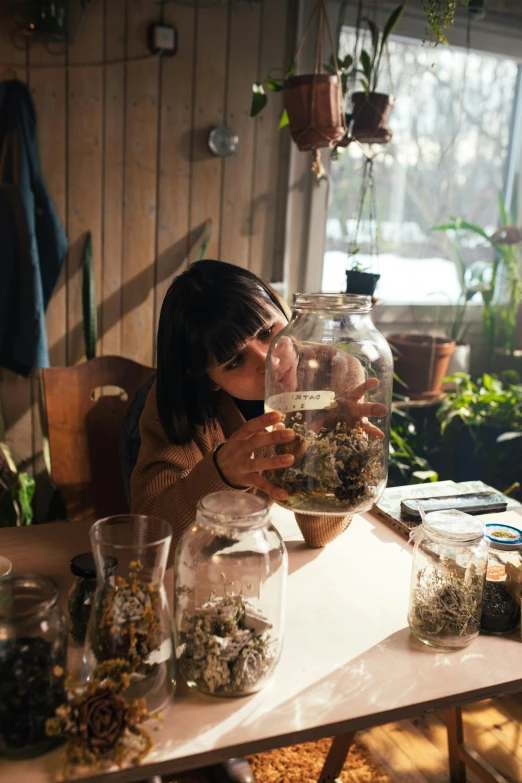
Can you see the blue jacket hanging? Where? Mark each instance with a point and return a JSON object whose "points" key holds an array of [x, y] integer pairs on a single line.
{"points": [[33, 244]]}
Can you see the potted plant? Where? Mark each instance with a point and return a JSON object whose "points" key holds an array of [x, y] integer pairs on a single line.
{"points": [[372, 109], [483, 420], [314, 106], [421, 363], [502, 292], [359, 280]]}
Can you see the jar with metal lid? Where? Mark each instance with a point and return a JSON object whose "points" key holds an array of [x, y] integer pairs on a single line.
{"points": [[231, 572], [81, 594], [329, 372], [33, 651], [449, 570]]}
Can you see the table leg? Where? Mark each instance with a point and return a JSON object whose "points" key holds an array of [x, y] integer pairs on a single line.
{"points": [[462, 756], [455, 740], [336, 757]]}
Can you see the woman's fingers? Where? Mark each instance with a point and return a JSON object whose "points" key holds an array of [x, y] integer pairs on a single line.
{"points": [[374, 409], [262, 483], [265, 439], [258, 424], [371, 430], [270, 463], [360, 391]]}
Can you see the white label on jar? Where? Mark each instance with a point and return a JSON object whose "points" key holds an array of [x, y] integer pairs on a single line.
{"points": [[301, 401]]}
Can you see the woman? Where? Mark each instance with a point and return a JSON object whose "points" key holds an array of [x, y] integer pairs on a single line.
{"points": [[203, 428]]}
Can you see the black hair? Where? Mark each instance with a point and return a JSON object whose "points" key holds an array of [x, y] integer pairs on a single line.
{"points": [[210, 311]]}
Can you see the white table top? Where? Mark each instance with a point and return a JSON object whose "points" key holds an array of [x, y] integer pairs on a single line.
{"points": [[349, 660]]}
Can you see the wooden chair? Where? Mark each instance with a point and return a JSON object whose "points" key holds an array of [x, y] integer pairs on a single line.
{"points": [[81, 410]]}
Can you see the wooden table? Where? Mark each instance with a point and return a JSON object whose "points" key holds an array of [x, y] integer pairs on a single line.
{"points": [[349, 660]]}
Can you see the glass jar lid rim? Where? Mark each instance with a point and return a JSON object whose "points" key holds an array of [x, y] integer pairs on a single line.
{"points": [[96, 531], [235, 509], [454, 525], [13, 585], [332, 301]]}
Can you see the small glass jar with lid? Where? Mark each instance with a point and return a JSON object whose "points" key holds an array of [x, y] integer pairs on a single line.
{"points": [[33, 651], [81, 594], [450, 560], [231, 572], [329, 372]]}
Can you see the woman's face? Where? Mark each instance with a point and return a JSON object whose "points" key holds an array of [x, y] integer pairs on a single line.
{"points": [[243, 376]]}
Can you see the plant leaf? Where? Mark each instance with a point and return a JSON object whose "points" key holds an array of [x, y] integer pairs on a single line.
{"points": [[23, 492], [259, 99], [374, 30], [284, 121], [392, 22], [366, 64]]}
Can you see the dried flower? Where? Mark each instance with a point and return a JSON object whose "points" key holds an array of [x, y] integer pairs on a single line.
{"points": [[100, 727], [102, 719]]}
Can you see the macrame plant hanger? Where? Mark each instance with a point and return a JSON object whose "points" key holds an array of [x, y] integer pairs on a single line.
{"points": [[325, 122]]}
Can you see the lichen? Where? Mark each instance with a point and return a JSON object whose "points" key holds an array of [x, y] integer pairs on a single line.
{"points": [[336, 470], [225, 646]]}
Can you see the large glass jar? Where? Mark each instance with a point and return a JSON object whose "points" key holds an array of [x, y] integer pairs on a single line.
{"points": [[33, 651], [130, 617], [320, 369], [231, 571], [450, 560]]}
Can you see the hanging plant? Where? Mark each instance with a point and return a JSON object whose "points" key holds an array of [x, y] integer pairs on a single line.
{"points": [[372, 109], [313, 102], [440, 15], [359, 279]]}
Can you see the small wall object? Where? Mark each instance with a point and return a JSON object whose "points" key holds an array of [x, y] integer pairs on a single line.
{"points": [[222, 141], [162, 39]]}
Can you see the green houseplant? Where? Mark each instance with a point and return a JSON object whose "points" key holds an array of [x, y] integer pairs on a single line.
{"points": [[482, 421], [502, 292]]}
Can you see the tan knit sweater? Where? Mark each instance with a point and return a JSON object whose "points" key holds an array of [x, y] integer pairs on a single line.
{"points": [[169, 479]]}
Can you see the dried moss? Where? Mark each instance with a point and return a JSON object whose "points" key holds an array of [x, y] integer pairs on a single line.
{"points": [[446, 604], [335, 470], [226, 646]]}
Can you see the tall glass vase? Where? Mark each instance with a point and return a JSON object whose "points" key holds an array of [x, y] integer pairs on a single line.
{"points": [[130, 617]]}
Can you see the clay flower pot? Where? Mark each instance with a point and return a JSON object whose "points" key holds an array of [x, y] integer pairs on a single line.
{"points": [[421, 362], [361, 282], [370, 117], [314, 106]]}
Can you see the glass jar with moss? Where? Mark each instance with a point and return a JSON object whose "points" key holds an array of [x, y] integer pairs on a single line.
{"points": [[230, 571], [447, 586], [329, 373]]}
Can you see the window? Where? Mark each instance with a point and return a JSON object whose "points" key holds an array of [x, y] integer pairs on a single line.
{"points": [[451, 144]]}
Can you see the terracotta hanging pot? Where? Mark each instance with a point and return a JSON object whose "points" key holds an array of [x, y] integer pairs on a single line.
{"points": [[421, 362], [314, 107], [370, 117]]}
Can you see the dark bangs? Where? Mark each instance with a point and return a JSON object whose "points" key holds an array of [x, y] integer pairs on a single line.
{"points": [[209, 313], [233, 323]]}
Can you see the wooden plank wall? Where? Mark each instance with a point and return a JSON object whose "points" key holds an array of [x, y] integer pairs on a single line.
{"points": [[122, 139]]}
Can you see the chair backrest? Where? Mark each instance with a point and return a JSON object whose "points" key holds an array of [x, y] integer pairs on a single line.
{"points": [[83, 407]]}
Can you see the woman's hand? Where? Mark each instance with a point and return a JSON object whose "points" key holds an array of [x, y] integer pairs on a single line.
{"points": [[235, 458], [351, 409]]}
